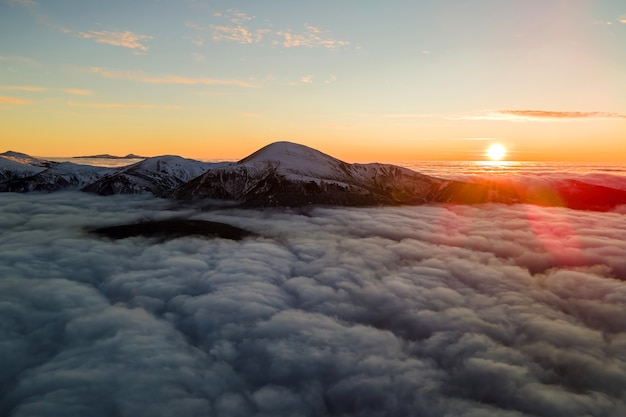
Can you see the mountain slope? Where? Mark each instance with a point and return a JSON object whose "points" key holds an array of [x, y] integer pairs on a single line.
{"points": [[159, 175], [61, 176], [15, 165], [25, 159], [288, 174]]}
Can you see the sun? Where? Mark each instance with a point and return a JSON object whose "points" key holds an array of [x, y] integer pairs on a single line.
{"points": [[496, 152]]}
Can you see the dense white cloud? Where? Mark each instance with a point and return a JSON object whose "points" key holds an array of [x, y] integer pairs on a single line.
{"points": [[431, 311]]}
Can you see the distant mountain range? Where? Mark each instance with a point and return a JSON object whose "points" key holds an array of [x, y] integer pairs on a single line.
{"points": [[290, 175], [107, 156]]}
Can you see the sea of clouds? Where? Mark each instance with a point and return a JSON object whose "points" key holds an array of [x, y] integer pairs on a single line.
{"points": [[486, 310]]}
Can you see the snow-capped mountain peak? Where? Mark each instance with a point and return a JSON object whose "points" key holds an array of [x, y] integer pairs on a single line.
{"points": [[285, 173], [297, 162], [290, 155], [158, 175], [15, 165], [289, 174], [22, 158], [171, 165]]}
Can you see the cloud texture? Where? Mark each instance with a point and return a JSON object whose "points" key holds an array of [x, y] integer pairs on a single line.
{"points": [[543, 114], [422, 311]]}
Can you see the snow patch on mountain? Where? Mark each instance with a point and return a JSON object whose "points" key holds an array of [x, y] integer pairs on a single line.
{"points": [[11, 169], [15, 165], [25, 159], [289, 174], [300, 163], [62, 176], [158, 175]]}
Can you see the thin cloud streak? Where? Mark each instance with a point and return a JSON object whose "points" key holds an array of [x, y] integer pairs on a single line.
{"points": [[167, 79], [536, 115], [543, 114], [29, 88], [312, 37], [13, 100], [121, 106], [39, 89], [474, 139], [125, 39], [77, 91], [411, 115]]}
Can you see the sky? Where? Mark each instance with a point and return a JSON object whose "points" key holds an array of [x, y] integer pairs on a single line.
{"points": [[361, 80], [490, 310]]}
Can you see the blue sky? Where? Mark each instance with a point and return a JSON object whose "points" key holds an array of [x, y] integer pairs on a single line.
{"points": [[354, 78]]}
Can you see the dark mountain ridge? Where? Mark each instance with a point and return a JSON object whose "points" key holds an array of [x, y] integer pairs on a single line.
{"points": [[284, 174]]}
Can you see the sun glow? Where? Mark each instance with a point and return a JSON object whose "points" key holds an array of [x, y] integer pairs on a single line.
{"points": [[496, 152]]}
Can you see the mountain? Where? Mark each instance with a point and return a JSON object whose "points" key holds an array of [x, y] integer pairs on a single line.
{"points": [[159, 176], [14, 165], [288, 174], [25, 159], [108, 156], [62, 176]]}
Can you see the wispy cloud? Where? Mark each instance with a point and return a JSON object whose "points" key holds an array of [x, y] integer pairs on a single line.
{"points": [[544, 114], [77, 91], [39, 89], [121, 106], [237, 16], [473, 139], [409, 115], [537, 115], [237, 27], [311, 37], [237, 34], [167, 79], [620, 19], [29, 88], [125, 39], [13, 100], [198, 39], [233, 31]]}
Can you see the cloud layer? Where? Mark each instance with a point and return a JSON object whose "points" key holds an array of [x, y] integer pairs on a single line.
{"points": [[430, 311]]}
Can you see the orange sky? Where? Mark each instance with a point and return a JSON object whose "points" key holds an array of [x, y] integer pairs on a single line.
{"points": [[419, 81]]}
